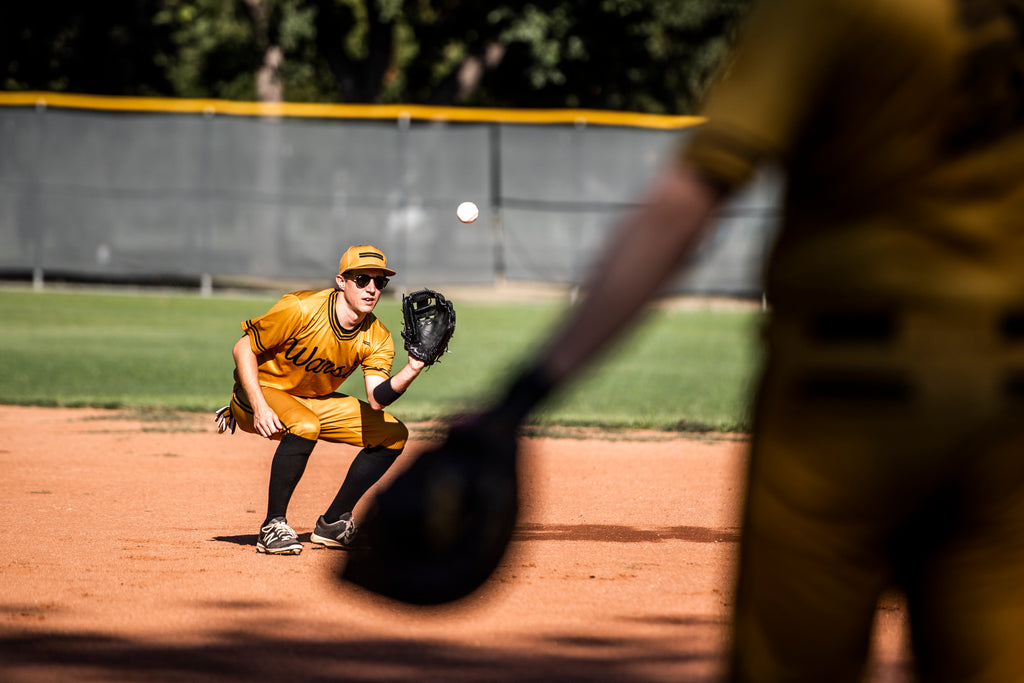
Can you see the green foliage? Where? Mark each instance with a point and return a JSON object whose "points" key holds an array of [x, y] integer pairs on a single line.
{"points": [[111, 47], [217, 50], [687, 371], [642, 55]]}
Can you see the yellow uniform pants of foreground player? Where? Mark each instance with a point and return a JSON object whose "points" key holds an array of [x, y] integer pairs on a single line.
{"points": [[337, 418], [889, 452]]}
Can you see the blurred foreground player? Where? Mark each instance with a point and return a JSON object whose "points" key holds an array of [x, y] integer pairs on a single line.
{"points": [[289, 365], [888, 445]]}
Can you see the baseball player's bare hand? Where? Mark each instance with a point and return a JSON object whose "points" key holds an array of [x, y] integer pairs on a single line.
{"points": [[267, 423]]}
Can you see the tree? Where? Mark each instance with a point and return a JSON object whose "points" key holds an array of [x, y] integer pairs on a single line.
{"points": [[641, 55], [644, 55], [112, 47]]}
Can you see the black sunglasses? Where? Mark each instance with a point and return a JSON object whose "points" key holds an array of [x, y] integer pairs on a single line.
{"points": [[362, 279]]}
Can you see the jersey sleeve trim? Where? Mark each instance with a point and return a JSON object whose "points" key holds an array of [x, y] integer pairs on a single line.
{"points": [[380, 372], [254, 336]]}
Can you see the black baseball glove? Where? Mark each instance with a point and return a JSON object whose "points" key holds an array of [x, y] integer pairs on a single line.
{"points": [[429, 324]]}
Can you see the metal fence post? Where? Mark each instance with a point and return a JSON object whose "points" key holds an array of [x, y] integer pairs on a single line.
{"points": [[205, 180], [495, 203], [404, 222], [577, 221], [31, 219]]}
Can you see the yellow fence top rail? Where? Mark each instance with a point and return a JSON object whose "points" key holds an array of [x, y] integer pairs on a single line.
{"points": [[346, 111]]}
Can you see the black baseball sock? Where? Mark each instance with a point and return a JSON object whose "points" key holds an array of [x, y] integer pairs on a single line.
{"points": [[285, 471], [367, 468]]}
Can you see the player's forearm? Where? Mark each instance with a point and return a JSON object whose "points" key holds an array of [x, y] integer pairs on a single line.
{"points": [[381, 393], [403, 379], [248, 373]]}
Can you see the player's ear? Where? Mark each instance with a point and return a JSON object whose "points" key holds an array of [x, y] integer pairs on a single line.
{"points": [[339, 281]]}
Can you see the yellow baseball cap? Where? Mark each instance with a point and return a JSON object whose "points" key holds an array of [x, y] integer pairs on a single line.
{"points": [[363, 256]]}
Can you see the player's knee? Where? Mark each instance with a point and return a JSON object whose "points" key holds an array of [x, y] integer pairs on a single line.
{"points": [[307, 426], [395, 436]]}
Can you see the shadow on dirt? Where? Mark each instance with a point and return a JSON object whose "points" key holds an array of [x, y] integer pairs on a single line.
{"points": [[243, 657], [250, 539]]}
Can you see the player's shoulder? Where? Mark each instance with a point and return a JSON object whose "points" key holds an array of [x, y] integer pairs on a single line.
{"points": [[308, 298], [873, 16], [911, 19], [303, 294]]}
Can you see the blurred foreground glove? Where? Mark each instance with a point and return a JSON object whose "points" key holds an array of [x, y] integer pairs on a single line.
{"points": [[441, 528], [439, 531]]}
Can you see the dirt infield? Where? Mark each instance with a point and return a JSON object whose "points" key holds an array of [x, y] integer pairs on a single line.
{"points": [[130, 556]]}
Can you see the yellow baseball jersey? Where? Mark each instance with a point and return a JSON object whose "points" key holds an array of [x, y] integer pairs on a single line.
{"points": [[302, 348], [899, 126]]}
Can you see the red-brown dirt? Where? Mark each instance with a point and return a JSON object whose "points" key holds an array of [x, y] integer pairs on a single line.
{"points": [[130, 555]]}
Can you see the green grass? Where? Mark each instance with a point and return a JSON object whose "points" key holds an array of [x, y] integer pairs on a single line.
{"points": [[680, 370]]}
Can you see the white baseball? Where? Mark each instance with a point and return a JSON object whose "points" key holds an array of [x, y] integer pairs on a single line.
{"points": [[467, 212]]}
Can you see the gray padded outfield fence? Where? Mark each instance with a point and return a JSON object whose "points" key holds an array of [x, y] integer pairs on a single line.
{"points": [[122, 188]]}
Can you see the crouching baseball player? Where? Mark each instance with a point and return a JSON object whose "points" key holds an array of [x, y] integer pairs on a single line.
{"points": [[289, 364]]}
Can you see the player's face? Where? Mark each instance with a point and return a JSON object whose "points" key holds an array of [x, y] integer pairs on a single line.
{"points": [[361, 299]]}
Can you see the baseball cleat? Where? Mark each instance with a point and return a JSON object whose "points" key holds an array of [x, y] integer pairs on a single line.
{"points": [[340, 534], [277, 538]]}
